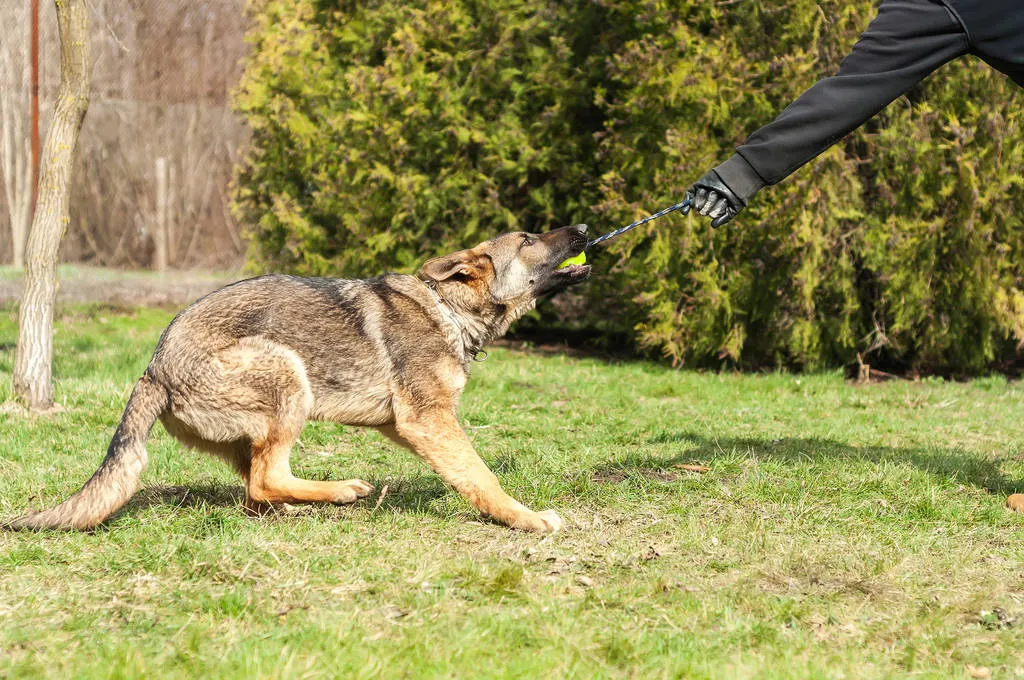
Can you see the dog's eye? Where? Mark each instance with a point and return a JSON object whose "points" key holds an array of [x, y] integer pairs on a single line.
{"points": [[528, 241]]}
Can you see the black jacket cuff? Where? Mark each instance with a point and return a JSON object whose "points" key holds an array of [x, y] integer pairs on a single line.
{"points": [[740, 177]]}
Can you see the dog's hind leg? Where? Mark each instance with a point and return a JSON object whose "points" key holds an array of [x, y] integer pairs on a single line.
{"points": [[256, 394], [271, 480], [437, 437]]}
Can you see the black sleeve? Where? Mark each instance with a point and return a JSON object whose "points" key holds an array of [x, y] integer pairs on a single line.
{"points": [[906, 41], [995, 30]]}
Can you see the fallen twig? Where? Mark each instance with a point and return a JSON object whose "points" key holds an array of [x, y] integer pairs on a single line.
{"points": [[383, 493]]}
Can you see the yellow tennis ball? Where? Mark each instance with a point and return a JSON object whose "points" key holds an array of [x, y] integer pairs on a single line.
{"points": [[579, 259]]}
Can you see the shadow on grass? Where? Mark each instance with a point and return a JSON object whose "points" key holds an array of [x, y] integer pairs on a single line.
{"points": [[957, 465], [418, 493], [405, 493], [177, 496], [410, 493]]}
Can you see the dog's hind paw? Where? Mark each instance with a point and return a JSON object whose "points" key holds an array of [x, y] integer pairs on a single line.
{"points": [[552, 521], [351, 490]]}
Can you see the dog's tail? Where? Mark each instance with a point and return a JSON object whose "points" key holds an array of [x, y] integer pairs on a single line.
{"points": [[117, 478]]}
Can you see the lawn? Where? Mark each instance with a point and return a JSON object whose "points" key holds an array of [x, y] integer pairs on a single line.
{"points": [[839, 531]]}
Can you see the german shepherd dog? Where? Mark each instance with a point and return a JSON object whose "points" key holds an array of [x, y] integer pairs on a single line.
{"points": [[239, 372]]}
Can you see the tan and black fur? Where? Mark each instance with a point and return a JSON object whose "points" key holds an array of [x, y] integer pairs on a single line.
{"points": [[240, 371]]}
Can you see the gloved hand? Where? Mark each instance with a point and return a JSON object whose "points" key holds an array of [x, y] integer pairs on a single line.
{"points": [[711, 197]]}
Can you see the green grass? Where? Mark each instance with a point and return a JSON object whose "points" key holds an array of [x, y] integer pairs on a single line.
{"points": [[840, 532]]}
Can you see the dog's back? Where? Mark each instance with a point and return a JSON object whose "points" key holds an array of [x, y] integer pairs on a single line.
{"points": [[352, 336]]}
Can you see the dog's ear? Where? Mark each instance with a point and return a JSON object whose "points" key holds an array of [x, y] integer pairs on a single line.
{"points": [[465, 263]]}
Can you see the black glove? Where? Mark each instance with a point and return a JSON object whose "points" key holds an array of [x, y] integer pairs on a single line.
{"points": [[711, 197]]}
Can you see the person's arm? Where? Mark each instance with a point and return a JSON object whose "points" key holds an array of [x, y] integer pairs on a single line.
{"points": [[906, 41]]}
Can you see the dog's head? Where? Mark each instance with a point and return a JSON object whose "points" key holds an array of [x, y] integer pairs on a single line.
{"points": [[504, 277]]}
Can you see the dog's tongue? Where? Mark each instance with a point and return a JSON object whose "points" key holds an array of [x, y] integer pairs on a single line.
{"points": [[579, 259]]}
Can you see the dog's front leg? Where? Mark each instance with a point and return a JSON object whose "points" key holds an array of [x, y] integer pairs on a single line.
{"points": [[437, 437]]}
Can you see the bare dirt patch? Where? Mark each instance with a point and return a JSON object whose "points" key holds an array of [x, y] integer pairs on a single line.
{"points": [[619, 476], [81, 284]]}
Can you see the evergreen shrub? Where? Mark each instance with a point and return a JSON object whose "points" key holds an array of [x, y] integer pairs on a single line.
{"points": [[386, 132]]}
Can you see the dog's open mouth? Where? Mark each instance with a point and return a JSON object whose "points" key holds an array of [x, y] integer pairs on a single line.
{"points": [[574, 268]]}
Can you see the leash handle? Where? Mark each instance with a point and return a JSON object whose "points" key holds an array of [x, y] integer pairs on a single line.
{"points": [[623, 230]]}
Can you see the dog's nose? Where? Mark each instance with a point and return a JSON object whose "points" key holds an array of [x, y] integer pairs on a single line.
{"points": [[580, 229]]}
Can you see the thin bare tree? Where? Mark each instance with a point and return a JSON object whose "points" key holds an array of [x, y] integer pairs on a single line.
{"points": [[33, 363], [15, 142]]}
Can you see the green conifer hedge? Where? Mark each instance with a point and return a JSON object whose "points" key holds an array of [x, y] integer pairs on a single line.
{"points": [[385, 132]]}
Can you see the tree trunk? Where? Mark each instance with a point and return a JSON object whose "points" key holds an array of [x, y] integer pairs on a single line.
{"points": [[32, 368]]}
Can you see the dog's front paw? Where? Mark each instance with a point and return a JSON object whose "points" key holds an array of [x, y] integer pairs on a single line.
{"points": [[552, 522], [547, 522]]}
